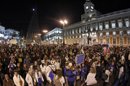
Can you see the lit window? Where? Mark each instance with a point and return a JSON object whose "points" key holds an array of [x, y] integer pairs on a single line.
{"points": [[121, 33], [100, 26], [91, 29], [127, 22], [79, 30], [96, 27], [120, 24], [72, 31], [113, 24], [107, 25], [107, 33], [128, 32], [114, 33], [80, 36]]}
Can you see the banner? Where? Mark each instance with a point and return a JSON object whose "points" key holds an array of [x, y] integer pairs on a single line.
{"points": [[79, 59]]}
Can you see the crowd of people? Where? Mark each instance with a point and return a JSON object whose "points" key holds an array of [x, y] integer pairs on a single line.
{"points": [[55, 65]]}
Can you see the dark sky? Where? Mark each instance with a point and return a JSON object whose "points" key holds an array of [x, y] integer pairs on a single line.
{"points": [[17, 14]]}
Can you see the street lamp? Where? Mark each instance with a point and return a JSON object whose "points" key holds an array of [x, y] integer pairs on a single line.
{"points": [[45, 31], [39, 34], [63, 22]]}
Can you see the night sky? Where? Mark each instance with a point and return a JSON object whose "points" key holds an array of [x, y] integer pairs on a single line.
{"points": [[17, 14]]}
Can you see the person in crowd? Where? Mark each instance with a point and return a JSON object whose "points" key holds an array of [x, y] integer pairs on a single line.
{"points": [[39, 77], [59, 80], [7, 81], [18, 80], [91, 80], [29, 78], [71, 75]]}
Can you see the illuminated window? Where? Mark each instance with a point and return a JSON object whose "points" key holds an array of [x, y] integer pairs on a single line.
{"points": [[100, 26], [79, 36], [121, 33], [91, 28], [107, 25], [96, 27], [127, 22], [114, 33], [120, 24], [128, 32], [113, 24], [79, 30], [107, 33], [72, 31]]}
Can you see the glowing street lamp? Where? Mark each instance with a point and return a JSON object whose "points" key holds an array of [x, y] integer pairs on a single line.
{"points": [[63, 22], [35, 36], [39, 34], [45, 31]]}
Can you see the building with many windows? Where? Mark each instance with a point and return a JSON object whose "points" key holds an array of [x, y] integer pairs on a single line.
{"points": [[6, 34], [54, 36], [112, 28]]}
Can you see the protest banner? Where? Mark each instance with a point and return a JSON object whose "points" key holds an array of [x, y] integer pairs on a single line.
{"points": [[79, 59]]}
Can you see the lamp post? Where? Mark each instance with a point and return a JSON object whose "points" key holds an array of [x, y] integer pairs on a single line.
{"points": [[44, 32], [63, 22]]}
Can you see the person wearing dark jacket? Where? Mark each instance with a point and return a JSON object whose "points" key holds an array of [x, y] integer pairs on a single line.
{"points": [[7, 81]]}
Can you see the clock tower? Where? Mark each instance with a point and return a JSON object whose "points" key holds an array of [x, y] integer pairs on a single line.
{"points": [[90, 12]]}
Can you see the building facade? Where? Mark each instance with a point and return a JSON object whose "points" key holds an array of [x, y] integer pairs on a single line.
{"points": [[55, 36], [6, 34], [95, 28]]}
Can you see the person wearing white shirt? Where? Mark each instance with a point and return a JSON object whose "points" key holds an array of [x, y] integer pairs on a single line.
{"points": [[48, 70], [91, 80], [107, 72], [29, 79], [39, 77], [57, 65], [18, 80]]}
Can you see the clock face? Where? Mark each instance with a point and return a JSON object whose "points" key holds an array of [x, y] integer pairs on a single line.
{"points": [[86, 7], [92, 7]]}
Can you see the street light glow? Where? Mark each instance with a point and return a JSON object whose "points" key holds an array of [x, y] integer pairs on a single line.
{"points": [[45, 31], [39, 34], [64, 21], [35, 36]]}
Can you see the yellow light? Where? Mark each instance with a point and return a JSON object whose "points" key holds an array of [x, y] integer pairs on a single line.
{"points": [[39, 34], [45, 31]]}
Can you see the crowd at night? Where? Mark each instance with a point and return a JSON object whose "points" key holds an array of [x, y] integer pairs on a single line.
{"points": [[55, 65]]}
